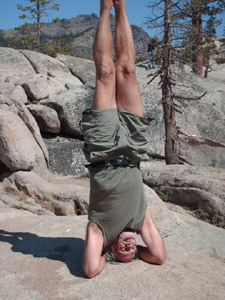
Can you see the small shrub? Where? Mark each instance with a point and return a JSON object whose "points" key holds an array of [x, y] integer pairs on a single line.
{"points": [[220, 60], [218, 221], [164, 196], [202, 214]]}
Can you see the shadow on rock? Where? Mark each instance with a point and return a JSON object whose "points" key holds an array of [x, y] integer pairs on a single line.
{"points": [[67, 250]]}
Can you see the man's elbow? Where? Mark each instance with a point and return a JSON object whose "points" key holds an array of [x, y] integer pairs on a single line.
{"points": [[90, 275], [161, 259], [93, 269], [90, 272]]}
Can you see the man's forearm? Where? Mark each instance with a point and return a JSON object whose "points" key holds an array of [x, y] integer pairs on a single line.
{"points": [[93, 270], [100, 267], [144, 254], [155, 251]]}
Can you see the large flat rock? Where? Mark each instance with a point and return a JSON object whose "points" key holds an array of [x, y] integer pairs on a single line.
{"points": [[192, 186], [13, 61], [41, 258], [19, 150], [83, 69]]}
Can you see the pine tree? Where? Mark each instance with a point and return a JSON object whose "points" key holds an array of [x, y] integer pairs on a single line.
{"points": [[200, 8], [30, 36], [209, 46], [187, 25]]}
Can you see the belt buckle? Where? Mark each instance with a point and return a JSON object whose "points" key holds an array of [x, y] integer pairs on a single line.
{"points": [[122, 162], [119, 161]]}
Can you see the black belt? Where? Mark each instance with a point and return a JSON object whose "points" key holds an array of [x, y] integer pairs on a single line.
{"points": [[115, 162]]}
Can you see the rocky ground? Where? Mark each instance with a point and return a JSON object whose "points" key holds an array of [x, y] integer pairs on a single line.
{"points": [[43, 206], [41, 258]]}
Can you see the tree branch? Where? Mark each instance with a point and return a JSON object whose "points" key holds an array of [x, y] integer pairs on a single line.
{"points": [[154, 75], [179, 97]]}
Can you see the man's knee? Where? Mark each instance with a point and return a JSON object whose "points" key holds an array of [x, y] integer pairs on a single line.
{"points": [[127, 71], [105, 72]]}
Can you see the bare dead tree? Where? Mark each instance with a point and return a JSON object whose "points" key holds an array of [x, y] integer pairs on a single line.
{"points": [[171, 143], [166, 79]]}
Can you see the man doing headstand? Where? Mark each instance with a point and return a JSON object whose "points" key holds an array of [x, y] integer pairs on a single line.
{"points": [[114, 132]]}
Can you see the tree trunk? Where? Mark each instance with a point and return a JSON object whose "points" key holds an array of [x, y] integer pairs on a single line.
{"points": [[38, 26], [197, 52], [171, 143]]}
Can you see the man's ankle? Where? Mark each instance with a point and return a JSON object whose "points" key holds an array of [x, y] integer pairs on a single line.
{"points": [[105, 6], [119, 4]]}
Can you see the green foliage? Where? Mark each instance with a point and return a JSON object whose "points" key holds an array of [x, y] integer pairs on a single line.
{"points": [[30, 43], [209, 49], [23, 42], [164, 196], [216, 220], [220, 60], [56, 46], [201, 214], [210, 30], [37, 9], [219, 221], [29, 35], [26, 28], [188, 30]]}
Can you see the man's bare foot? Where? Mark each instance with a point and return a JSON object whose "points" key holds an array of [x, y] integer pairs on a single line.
{"points": [[106, 4]]}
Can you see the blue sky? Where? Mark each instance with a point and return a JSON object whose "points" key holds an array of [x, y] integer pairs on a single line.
{"points": [[136, 10]]}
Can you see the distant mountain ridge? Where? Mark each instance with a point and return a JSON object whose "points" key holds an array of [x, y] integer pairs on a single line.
{"points": [[79, 33]]}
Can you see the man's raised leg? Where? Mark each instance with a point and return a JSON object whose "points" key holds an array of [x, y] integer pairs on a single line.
{"points": [[127, 95], [105, 70]]}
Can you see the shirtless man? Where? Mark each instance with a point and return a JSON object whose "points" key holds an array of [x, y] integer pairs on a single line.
{"points": [[115, 143]]}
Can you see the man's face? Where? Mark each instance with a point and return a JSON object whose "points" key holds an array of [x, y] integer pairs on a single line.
{"points": [[125, 246]]}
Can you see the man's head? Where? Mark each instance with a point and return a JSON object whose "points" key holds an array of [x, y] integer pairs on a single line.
{"points": [[124, 246]]}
